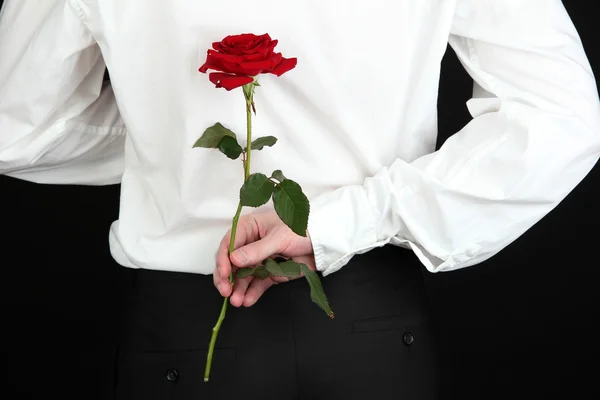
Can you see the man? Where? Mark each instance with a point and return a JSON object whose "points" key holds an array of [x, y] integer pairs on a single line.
{"points": [[356, 128]]}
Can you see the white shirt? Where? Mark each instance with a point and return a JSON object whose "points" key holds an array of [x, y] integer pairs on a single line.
{"points": [[356, 119]]}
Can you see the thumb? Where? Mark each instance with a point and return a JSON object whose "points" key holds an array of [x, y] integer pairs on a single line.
{"points": [[256, 252]]}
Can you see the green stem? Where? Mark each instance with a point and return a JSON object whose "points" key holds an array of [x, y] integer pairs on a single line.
{"points": [[234, 225], [213, 338], [248, 137], [217, 327]]}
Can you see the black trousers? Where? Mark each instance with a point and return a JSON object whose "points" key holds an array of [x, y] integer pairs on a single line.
{"points": [[118, 333], [379, 345]]}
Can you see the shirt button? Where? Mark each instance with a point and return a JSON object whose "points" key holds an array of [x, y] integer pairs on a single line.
{"points": [[408, 338], [172, 375]]}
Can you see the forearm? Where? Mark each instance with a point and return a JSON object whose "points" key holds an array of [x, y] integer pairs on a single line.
{"points": [[528, 146]]}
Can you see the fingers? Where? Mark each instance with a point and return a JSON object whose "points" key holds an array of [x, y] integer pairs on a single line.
{"points": [[223, 263], [256, 290], [252, 250], [309, 260], [246, 232], [256, 252], [239, 291], [248, 291], [223, 269], [222, 285]]}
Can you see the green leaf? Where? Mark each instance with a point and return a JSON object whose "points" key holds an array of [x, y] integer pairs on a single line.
{"points": [[243, 273], [261, 142], [260, 272], [288, 268], [277, 174], [256, 191], [316, 290], [212, 136], [230, 147], [292, 206]]}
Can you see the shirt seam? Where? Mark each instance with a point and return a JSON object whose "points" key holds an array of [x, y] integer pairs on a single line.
{"points": [[107, 130], [79, 11], [475, 60]]}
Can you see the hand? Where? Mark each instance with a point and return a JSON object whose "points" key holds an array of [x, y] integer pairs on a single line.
{"points": [[259, 236]]}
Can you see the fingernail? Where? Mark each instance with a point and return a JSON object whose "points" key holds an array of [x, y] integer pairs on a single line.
{"points": [[240, 256]]}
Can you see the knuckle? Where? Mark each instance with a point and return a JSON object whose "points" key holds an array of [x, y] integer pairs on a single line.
{"points": [[285, 242]]}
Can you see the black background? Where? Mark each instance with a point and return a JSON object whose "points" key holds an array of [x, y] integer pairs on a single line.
{"points": [[520, 325]]}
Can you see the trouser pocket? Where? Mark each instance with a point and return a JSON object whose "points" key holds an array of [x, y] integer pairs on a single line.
{"points": [[173, 375]]}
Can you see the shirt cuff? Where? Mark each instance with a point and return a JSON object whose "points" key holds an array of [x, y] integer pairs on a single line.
{"points": [[341, 224]]}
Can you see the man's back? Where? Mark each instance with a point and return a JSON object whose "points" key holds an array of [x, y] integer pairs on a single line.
{"points": [[350, 107]]}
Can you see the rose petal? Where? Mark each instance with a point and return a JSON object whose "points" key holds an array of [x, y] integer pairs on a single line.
{"points": [[238, 69], [228, 81], [240, 40], [275, 59], [264, 37], [240, 57], [260, 66], [237, 44], [284, 66], [255, 57], [225, 56], [218, 46], [211, 63]]}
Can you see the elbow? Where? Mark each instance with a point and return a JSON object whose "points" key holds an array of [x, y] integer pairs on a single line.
{"points": [[584, 105], [589, 118], [588, 127]]}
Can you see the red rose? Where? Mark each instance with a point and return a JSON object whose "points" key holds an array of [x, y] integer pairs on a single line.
{"points": [[239, 58]]}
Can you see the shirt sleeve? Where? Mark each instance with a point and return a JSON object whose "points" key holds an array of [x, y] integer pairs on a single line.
{"points": [[535, 134], [59, 121]]}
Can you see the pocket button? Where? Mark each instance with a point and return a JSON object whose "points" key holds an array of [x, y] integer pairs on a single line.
{"points": [[172, 375], [408, 338]]}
